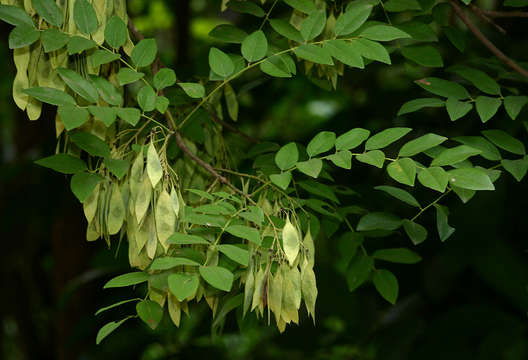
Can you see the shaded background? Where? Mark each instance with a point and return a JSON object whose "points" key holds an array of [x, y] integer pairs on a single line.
{"points": [[467, 299]]}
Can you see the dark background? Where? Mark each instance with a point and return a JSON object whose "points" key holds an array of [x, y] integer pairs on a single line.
{"points": [[467, 299]]}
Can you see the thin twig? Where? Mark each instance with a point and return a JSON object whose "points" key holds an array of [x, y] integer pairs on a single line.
{"points": [[484, 40], [480, 13], [505, 14]]}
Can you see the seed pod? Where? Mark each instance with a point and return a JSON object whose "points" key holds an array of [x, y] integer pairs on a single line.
{"points": [[152, 239], [291, 294], [260, 280], [154, 169], [93, 231], [100, 7], [157, 296], [34, 107], [116, 213], [165, 218], [175, 198], [309, 288], [90, 204], [143, 197], [174, 310], [309, 248], [249, 289], [275, 302], [21, 58], [290, 241], [136, 175], [212, 301]]}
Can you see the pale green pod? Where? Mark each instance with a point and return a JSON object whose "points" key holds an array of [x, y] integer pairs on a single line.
{"points": [[136, 175], [275, 298], [152, 238], [100, 7], [260, 281], [90, 204], [309, 288], [116, 213], [143, 197], [92, 231], [291, 294], [290, 241], [174, 310], [154, 169], [309, 248], [175, 201], [249, 289], [165, 218], [21, 58]]}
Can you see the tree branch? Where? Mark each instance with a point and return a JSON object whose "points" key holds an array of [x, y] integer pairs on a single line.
{"points": [[484, 40], [156, 65], [505, 14], [480, 13]]}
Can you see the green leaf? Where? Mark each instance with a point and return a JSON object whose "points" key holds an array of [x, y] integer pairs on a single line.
{"points": [[107, 330], [359, 270], [454, 155], [147, 98], [311, 167], [228, 33], [313, 25], [183, 286], [15, 15], [314, 54], [417, 104], [379, 221], [167, 262], [49, 11], [220, 62], [103, 309], [144, 52], [281, 180], [275, 66], [78, 44], [115, 32], [164, 78], [343, 159], [63, 163], [402, 5], [72, 116], [397, 255], [235, 253], [351, 139], [79, 84], [403, 171], [470, 178], [421, 144], [285, 29], [217, 277], [444, 230], [84, 16], [457, 109], [371, 50], [50, 96], [487, 107], [434, 178], [305, 6], [322, 142], [186, 239], [129, 279], [101, 57], [505, 141], [456, 36], [351, 20], [375, 158], [416, 232], [344, 52], [245, 232], [128, 76], [418, 30], [424, 55], [479, 79], [53, 39], [246, 8], [384, 33], [287, 156], [118, 167], [255, 46], [385, 281], [103, 113], [107, 91], [386, 137], [130, 115], [150, 312], [399, 194], [162, 103], [444, 88], [90, 143], [488, 150], [517, 168], [22, 36], [83, 184], [514, 105], [193, 90]]}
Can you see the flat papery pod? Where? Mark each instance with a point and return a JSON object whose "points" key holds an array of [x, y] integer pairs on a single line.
{"points": [[21, 58], [165, 218], [175, 199], [152, 238], [291, 294], [309, 288], [174, 310], [136, 175], [154, 169], [309, 248], [281, 325], [92, 231], [249, 289], [260, 280], [136, 257], [211, 257], [116, 214], [90, 204], [290, 241], [212, 301], [158, 297], [143, 197], [275, 295]]}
